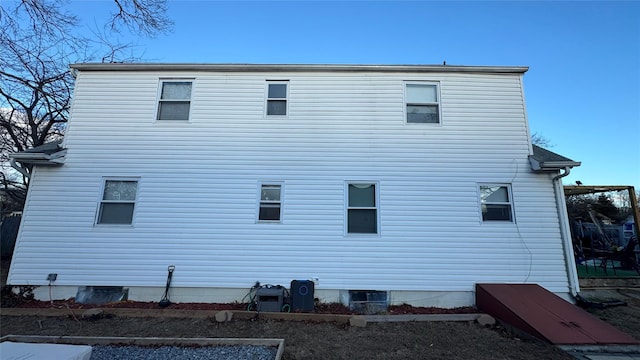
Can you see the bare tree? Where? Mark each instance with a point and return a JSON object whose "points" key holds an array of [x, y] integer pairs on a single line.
{"points": [[37, 44], [540, 140], [144, 16]]}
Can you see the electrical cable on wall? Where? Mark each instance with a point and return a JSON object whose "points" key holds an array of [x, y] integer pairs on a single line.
{"points": [[520, 237]]}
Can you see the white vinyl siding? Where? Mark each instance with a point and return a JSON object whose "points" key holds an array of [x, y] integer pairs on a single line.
{"points": [[174, 101], [197, 208]]}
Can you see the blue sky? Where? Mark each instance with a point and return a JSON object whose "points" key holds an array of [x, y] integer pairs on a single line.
{"points": [[582, 89]]}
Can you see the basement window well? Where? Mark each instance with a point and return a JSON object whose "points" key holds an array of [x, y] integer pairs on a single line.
{"points": [[368, 302]]}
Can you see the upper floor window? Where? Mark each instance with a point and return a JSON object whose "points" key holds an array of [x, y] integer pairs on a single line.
{"points": [[362, 208], [175, 100], [118, 201], [422, 103], [496, 203], [270, 202], [277, 92]]}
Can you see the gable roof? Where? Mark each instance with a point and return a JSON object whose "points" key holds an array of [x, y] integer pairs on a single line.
{"points": [[546, 160]]}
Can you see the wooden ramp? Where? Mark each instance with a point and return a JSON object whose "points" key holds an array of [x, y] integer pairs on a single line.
{"points": [[539, 312]]}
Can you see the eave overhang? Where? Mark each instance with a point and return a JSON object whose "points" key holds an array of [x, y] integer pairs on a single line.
{"points": [[296, 68], [544, 160], [551, 165], [50, 154]]}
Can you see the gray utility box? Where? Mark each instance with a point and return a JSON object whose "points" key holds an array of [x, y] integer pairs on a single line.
{"points": [[270, 299]]}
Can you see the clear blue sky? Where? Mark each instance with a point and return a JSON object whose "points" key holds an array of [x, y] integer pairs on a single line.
{"points": [[582, 89]]}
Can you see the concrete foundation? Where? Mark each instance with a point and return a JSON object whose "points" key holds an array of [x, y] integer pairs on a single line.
{"points": [[440, 299]]}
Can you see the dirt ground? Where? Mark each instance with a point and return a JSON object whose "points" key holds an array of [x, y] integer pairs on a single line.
{"points": [[311, 340], [305, 340], [625, 318]]}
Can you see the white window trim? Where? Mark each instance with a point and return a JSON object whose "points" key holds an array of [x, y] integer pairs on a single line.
{"points": [[438, 103], [267, 183], [159, 95], [346, 208], [267, 98], [104, 180], [511, 203]]}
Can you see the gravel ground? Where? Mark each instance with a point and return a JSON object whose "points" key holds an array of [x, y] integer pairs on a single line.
{"points": [[237, 352]]}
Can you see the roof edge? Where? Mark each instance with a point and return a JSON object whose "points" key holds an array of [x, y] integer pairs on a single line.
{"points": [[51, 153], [56, 158], [537, 165], [546, 160], [294, 67]]}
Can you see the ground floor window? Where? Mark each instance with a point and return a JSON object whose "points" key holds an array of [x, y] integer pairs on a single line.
{"points": [[270, 204], [362, 208], [496, 202], [118, 201]]}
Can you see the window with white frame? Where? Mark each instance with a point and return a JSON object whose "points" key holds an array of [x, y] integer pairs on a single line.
{"points": [[118, 201], [270, 208], [496, 202], [422, 102], [277, 92], [362, 208], [175, 100]]}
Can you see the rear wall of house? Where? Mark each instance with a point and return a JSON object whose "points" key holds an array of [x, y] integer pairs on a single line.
{"points": [[198, 190]]}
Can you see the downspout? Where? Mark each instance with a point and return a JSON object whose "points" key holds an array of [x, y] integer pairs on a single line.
{"points": [[565, 234], [567, 171], [20, 169]]}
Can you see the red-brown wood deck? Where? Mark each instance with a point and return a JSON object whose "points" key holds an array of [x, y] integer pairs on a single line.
{"points": [[539, 312]]}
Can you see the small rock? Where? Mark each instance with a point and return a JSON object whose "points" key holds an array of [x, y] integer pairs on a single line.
{"points": [[92, 313], [486, 320], [223, 316], [358, 321]]}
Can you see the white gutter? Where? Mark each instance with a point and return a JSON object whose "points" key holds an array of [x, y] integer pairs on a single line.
{"points": [[295, 68], [32, 157], [565, 234], [537, 165], [36, 158]]}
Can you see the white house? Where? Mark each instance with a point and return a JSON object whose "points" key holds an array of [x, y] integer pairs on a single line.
{"points": [[419, 181]]}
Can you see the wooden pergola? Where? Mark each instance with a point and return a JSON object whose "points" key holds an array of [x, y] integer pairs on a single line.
{"points": [[595, 189]]}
